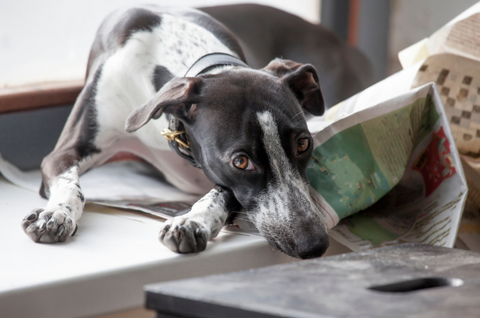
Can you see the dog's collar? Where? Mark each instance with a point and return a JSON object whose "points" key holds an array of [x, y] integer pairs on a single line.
{"points": [[213, 60], [175, 133]]}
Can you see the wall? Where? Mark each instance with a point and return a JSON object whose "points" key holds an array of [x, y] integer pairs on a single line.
{"points": [[50, 39]]}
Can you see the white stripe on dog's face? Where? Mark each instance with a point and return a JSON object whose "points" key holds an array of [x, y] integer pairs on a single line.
{"points": [[285, 212]]}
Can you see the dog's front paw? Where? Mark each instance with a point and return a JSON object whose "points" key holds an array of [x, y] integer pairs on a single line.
{"points": [[49, 226], [184, 235]]}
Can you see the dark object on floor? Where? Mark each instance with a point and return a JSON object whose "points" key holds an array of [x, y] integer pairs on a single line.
{"points": [[266, 33], [398, 281]]}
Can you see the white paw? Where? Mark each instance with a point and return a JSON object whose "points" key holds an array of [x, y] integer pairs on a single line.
{"points": [[49, 225], [185, 235]]}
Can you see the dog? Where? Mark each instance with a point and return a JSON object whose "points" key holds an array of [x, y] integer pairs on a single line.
{"points": [[151, 68]]}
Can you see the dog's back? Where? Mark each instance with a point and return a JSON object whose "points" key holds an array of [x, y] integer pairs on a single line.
{"points": [[173, 28]]}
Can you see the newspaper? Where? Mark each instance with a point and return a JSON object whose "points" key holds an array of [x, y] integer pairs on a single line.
{"points": [[390, 172], [451, 58]]}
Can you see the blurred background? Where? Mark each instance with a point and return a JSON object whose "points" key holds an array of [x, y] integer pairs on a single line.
{"points": [[50, 39]]}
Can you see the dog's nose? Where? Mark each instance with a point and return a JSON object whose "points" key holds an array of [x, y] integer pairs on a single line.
{"points": [[313, 247]]}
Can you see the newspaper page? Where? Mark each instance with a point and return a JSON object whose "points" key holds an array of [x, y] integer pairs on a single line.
{"points": [[390, 172], [451, 58], [458, 82]]}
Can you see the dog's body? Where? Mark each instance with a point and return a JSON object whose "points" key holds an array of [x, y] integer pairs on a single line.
{"points": [[246, 130]]}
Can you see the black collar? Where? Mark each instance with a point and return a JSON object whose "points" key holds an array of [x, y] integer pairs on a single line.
{"points": [[212, 60], [175, 133]]}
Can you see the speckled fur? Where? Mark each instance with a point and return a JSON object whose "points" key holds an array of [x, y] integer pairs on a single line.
{"points": [[58, 219], [190, 232]]}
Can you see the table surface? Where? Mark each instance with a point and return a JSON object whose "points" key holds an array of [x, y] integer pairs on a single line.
{"points": [[104, 267], [336, 286]]}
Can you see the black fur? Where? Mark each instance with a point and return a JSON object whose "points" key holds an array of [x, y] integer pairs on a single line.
{"points": [[161, 75], [71, 149], [133, 20]]}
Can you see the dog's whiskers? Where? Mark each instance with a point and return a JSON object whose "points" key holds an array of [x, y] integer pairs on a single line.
{"points": [[241, 212], [299, 113]]}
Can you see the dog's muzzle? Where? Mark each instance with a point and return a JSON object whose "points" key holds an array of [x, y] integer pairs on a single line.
{"points": [[290, 221]]}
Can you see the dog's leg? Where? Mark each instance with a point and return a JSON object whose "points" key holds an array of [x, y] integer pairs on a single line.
{"points": [[60, 173], [190, 233]]}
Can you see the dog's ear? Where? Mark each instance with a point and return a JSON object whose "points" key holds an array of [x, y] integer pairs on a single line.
{"points": [[176, 98], [302, 80]]}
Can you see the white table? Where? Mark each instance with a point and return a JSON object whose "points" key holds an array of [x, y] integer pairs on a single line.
{"points": [[104, 267]]}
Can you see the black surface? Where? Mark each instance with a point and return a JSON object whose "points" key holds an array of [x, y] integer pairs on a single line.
{"points": [[398, 281]]}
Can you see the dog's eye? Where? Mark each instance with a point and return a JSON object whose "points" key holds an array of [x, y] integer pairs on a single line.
{"points": [[302, 145], [242, 162]]}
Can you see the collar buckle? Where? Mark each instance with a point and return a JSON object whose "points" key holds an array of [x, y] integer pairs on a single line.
{"points": [[174, 136]]}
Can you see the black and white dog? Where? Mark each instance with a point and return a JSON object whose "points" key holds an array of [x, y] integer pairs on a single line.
{"points": [[244, 128]]}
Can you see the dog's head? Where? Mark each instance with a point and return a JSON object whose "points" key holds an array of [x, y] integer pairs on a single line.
{"points": [[247, 130]]}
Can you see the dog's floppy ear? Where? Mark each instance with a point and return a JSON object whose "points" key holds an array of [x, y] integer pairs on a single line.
{"points": [[302, 80], [175, 98]]}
